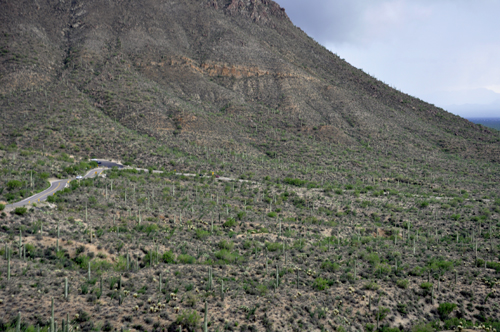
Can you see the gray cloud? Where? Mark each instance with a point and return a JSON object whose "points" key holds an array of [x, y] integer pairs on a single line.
{"points": [[437, 50]]}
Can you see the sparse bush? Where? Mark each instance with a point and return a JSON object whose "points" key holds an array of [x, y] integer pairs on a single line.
{"points": [[403, 283], [224, 244], [186, 259], [274, 246], [427, 287], [371, 286], [329, 266], [202, 234], [20, 211], [321, 284], [445, 309], [14, 184], [168, 257], [229, 223], [189, 319]]}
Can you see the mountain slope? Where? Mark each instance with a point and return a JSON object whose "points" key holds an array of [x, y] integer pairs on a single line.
{"points": [[226, 74]]}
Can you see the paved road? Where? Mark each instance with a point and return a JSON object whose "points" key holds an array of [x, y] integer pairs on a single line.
{"points": [[59, 185], [103, 165], [106, 163]]}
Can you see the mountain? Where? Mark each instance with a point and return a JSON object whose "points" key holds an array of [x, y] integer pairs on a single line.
{"points": [[224, 74], [297, 194]]}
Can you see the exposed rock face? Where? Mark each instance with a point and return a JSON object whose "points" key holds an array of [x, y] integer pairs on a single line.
{"points": [[257, 10]]}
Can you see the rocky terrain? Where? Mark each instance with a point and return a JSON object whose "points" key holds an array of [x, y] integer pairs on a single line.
{"points": [[350, 206]]}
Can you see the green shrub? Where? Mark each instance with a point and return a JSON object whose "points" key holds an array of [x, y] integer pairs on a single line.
{"points": [[329, 266], [438, 264], [186, 259], [262, 290], [13, 184], [320, 284], [403, 283], [224, 244], [274, 246], [445, 309], [424, 204], [373, 259], [426, 287], [201, 234], [382, 313], [30, 249], [371, 286], [272, 214], [229, 223], [295, 182], [20, 211], [2, 207], [226, 256], [168, 257], [189, 319]]}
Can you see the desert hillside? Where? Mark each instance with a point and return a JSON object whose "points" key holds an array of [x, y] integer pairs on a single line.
{"points": [[281, 188]]}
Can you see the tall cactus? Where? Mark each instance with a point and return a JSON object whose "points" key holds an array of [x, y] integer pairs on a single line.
{"points": [[52, 316], [8, 267], [18, 325], [161, 281], [209, 286], [20, 245], [297, 278], [205, 322], [66, 288], [277, 276]]}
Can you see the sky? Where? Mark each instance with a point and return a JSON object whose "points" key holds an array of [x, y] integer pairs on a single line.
{"points": [[446, 52]]}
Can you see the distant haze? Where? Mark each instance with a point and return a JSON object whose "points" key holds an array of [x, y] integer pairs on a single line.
{"points": [[445, 52]]}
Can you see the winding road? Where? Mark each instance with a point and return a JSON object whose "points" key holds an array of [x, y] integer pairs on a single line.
{"points": [[59, 185]]}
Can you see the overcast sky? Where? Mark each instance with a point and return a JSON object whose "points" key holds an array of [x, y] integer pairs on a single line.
{"points": [[446, 52]]}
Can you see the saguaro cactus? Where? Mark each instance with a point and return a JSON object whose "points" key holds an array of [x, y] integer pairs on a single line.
{"points": [[20, 245], [18, 325], [297, 278], [66, 288], [210, 278], [277, 276], [205, 322], [8, 267], [161, 281], [52, 325]]}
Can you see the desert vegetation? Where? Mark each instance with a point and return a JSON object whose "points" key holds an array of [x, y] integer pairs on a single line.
{"points": [[148, 251]]}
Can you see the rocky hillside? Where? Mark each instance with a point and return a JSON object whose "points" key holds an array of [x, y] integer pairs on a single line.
{"points": [[227, 74], [297, 194]]}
